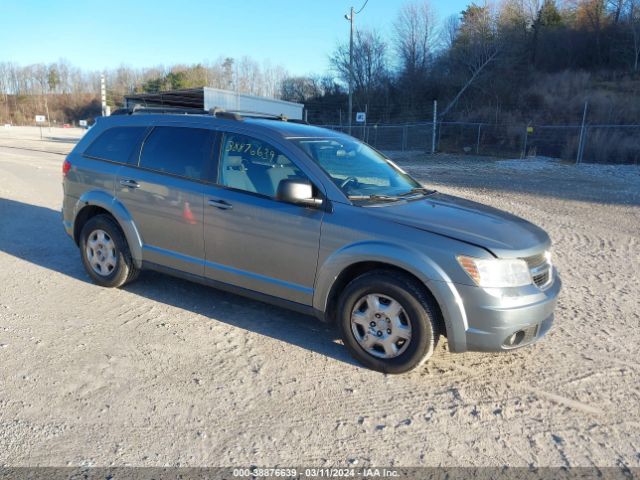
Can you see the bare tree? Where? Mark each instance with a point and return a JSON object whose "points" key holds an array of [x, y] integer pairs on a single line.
{"points": [[514, 16], [616, 7], [415, 37], [369, 63], [247, 76], [476, 46], [41, 77], [592, 16], [272, 78], [633, 20], [450, 30], [4, 80], [300, 89]]}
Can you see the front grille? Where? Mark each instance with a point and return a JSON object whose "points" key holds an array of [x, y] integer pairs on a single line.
{"points": [[541, 279], [540, 269], [536, 260]]}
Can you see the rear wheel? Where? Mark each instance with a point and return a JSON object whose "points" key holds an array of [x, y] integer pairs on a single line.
{"points": [[105, 253], [387, 321]]}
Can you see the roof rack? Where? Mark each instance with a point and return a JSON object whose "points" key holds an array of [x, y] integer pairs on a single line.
{"points": [[217, 112], [140, 109]]}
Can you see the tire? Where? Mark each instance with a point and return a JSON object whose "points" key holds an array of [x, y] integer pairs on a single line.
{"points": [[102, 239], [386, 350]]}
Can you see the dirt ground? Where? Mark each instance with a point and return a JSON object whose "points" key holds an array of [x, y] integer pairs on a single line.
{"points": [[169, 373]]}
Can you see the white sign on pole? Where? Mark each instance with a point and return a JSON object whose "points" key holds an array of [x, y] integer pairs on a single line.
{"points": [[82, 123], [40, 119], [361, 117]]}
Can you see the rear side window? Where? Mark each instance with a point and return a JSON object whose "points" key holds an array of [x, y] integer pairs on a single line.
{"points": [[116, 144], [178, 151]]}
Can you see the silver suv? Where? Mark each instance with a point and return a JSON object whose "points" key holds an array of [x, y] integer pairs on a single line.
{"points": [[308, 219]]}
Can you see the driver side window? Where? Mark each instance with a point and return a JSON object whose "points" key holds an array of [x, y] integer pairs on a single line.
{"points": [[252, 165]]}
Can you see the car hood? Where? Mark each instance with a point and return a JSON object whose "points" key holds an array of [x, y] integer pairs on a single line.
{"points": [[502, 233]]}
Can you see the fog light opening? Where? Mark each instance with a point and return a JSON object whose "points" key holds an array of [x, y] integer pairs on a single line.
{"points": [[515, 339]]}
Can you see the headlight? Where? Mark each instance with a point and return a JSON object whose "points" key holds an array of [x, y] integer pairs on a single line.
{"points": [[496, 272]]}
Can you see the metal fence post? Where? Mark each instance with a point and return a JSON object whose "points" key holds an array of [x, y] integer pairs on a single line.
{"points": [[582, 132], [433, 129], [524, 144], [404, 137], [478, 140], [585, 134]]}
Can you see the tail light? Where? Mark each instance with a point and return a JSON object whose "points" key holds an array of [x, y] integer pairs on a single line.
{"points": [[66, 166]]}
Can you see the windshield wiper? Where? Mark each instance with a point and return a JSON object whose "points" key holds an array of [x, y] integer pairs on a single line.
{"points": [[374, 197], [414, 191], [391, 198]]}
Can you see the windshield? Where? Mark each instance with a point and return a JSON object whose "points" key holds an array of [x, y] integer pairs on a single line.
{"points": [[359, 171]]}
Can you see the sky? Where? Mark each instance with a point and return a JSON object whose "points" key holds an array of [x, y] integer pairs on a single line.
{"points": [[296, 34]]}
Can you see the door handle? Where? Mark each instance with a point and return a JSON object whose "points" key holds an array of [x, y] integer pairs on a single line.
{"points": [[129, 183], [221, 204]]}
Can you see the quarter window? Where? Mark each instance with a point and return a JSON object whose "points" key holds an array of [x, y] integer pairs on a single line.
{"points": [[116, 144], [254, 166], [178, 151]]}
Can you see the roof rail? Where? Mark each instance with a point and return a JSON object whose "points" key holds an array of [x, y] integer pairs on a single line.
{"points": [[216, 112], [140, 109], [250, 113], [298, 120], [240, 114]]}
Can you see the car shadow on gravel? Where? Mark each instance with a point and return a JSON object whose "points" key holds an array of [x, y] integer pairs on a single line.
{"points": [[278, 323], [35, 234]]}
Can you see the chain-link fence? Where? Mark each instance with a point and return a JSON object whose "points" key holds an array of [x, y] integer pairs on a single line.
{"points": [[591, 143]]}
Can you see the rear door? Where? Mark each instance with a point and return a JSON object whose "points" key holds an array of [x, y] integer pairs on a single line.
{"points": [[251, 239], [164, 194]]}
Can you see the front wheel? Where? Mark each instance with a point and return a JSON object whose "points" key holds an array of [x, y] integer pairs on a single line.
{"points": [[388, 322], [105, 252]]}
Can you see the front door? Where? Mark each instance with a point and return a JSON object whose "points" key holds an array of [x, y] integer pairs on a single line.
{"points": [[251, 239]]}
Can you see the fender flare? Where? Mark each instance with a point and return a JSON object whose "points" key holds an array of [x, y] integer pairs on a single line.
{"points": [[432, 276], [102, 199]]}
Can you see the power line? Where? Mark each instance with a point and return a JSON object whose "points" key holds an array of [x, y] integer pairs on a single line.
{"points": [[362, 8]]}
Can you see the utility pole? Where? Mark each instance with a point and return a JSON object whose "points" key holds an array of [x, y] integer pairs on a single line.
{"points": [[350, 17], [103, 95]]}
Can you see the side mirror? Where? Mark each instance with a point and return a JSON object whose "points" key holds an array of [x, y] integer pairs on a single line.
{"points": [[296, 190]]}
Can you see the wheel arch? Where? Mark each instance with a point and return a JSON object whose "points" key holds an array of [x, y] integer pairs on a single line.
{"points": [[347, 263], [357, 269], [84, 215], [95, 203]]}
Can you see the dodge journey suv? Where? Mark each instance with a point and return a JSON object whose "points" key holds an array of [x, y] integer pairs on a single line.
{"points": [[308, 219]]}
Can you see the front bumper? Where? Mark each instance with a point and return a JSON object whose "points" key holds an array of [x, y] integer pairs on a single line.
{"points": [[504, 319]]}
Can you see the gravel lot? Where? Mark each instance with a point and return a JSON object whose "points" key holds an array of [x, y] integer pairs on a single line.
{"points": [[165, 372]]}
